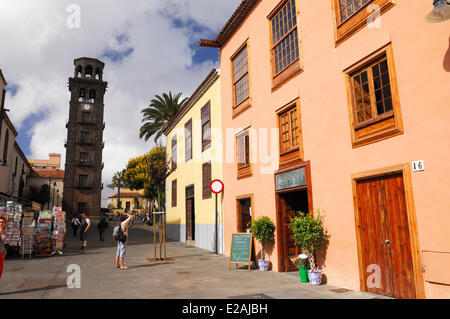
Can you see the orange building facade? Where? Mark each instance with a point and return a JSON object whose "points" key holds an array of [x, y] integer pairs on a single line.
{"points": [[326, 105]]}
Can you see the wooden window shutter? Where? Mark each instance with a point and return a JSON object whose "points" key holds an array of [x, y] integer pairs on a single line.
{"points": [[174, 152], [174, 193], [206, 126], [206, 179], [188, 140]]}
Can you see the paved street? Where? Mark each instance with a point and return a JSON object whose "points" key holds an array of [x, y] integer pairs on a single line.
{"points": [[193, 273]]}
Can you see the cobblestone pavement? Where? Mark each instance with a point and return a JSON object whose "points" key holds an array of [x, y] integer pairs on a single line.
{"points": [[192, 273]]}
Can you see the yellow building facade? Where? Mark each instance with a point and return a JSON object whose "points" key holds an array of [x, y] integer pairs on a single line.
{"points": [[194, 151], [132, 200]]}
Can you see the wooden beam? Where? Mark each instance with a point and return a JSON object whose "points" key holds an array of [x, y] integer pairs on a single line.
{"points": [[208, 43]]}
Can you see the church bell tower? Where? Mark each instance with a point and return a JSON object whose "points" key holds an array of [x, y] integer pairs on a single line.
{"points": [[84, 144]]}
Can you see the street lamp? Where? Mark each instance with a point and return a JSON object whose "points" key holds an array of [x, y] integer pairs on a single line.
{"points": [[53, 200], [49, 192], [440, 13]]}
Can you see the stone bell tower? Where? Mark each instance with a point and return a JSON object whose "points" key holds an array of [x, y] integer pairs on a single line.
{"points": [[84, 144]]}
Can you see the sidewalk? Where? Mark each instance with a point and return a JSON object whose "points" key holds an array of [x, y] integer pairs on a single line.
{"points": [[193, 273]]}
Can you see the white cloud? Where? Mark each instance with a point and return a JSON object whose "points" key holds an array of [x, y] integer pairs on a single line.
{"points": [[38, 50]]}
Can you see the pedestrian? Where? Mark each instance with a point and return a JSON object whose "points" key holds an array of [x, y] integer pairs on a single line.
{"points": [[84, 227], [123, 224], [3, 224], [102, 226], [75, 223]]}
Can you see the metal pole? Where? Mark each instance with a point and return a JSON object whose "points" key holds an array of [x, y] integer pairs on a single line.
{"points": [[164, 235], [216, 227], [154, 234]]}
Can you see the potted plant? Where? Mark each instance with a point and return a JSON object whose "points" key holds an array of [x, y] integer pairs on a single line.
{"points": [[249, 227], [301, 261], [308, 233], [263, 230]]}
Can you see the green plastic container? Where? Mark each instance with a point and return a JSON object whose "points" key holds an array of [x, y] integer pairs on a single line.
{"points": [[303, 274]]}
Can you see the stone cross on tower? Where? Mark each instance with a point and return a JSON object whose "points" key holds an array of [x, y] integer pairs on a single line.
{"points": [[84, 144]]}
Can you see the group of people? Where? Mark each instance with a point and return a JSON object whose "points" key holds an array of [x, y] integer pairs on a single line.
{"points": [[83, 223]]}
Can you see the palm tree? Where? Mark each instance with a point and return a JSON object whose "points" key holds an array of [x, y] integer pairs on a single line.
{"points": [[117, 181], [159, 113]]}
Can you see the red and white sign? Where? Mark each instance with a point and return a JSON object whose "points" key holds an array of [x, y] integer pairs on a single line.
{"points": [[216, 186]]}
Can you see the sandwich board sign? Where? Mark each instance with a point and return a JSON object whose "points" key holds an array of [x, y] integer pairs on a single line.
{"points": [[241, 249]]}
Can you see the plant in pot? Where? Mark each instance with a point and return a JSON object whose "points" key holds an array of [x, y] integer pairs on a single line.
{"points": [[263, 230], [249, 227], [308, 233]]}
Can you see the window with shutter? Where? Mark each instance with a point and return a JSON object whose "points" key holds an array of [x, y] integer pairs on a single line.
{"points": [[83, 180], [285, 43], [188, 140], [206, 177], [243, 154], [174, 152], [353, 15], [174, 193], [206, 126], [374, 106], [290, 138]]}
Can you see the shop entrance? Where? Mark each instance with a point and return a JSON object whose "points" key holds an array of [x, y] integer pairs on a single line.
{"points": [[244, 214], [244, 217], [190, 214], [289, 203]]}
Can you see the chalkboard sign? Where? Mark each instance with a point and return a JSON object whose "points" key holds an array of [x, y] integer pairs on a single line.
{"points": [[241, 248]]}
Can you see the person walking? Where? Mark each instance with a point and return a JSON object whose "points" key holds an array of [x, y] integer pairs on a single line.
{"points": [[102, 226], [75, 223], [122, 227], [84, 227], [3, 224]]}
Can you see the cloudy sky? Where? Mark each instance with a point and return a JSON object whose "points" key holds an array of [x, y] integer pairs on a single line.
{"points": [[149, 47]]}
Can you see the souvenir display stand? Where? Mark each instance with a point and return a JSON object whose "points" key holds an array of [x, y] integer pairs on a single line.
{"points": [[59, 229], [13, 214], [43, 234], [28, 229]]}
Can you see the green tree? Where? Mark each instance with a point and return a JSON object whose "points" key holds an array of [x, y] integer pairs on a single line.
{"points": [[149, 172], [263, 230], [159, 113], [158, 169], [118, 182], [309, 233]]}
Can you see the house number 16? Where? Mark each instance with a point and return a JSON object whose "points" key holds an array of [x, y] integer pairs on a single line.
{"points": [[418, 166]]}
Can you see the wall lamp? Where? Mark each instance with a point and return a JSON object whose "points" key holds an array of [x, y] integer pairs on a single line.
{"points": [[440, 13]]}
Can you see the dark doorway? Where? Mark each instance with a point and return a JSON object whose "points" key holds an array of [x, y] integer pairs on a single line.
{"points": [[244, 217], [190, 214], [289, 204], [244, 211]]}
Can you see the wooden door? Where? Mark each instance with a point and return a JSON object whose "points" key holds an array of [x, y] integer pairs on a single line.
{"points": [[291, 249], [190, 215], [385, 237]]}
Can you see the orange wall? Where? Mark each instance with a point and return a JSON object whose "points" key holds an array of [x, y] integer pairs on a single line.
{"points": [[422, 64]]}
